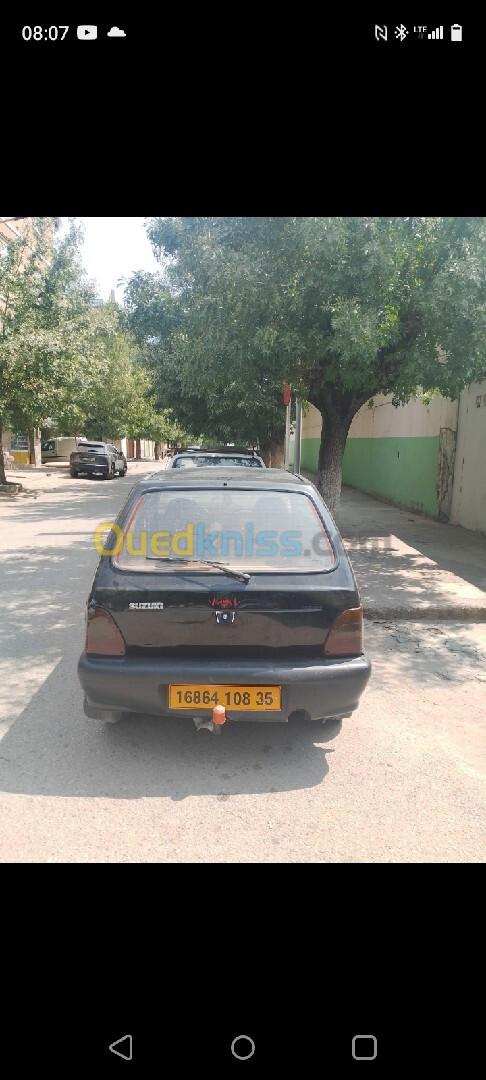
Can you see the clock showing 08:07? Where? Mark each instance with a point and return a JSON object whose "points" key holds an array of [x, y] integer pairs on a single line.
{"points": [[44, 33]]}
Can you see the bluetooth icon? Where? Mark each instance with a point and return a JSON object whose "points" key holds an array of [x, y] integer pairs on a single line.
{"points": [[401, 32]]}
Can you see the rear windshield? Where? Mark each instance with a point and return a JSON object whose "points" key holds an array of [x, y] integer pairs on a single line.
{"points": [[246, 530], [214, 459]]}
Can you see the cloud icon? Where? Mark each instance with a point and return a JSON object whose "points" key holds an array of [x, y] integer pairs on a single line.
{"points": [[116, 32]]}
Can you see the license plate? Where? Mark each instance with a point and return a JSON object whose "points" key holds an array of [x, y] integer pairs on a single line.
{"points": [[244, 698]]}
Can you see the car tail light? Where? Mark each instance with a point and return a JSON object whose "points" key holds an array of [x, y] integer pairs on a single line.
{"points": [[103, 638], [345, 637]]}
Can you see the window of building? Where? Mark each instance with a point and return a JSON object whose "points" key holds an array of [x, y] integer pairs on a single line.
{"points": [[20, 442]]}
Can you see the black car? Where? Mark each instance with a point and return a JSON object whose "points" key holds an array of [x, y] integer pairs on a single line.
{"points": [[223, 594], [225, 458], [97, 459]]}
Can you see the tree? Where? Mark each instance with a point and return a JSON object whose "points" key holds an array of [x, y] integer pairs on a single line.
{"points": [[218, 393], [343, 308], [45, 327]]}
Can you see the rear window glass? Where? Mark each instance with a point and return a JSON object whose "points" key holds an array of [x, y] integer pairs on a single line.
{"points": [[214, 459], [246, 530]]}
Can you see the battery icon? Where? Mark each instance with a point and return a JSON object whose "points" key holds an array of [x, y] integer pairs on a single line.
{"points": [[456, 32]]}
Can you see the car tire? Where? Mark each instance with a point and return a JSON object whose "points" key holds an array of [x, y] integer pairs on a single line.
{"points": [[106, 716], [124, 473], [112, 471], [73, 473]]}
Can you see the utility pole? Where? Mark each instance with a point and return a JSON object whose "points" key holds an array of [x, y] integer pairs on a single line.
{"points": [[298, 434], [287, 397]]}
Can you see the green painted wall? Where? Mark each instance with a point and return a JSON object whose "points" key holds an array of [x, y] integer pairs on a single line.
{"points": [[401, 470], [309, 453]]}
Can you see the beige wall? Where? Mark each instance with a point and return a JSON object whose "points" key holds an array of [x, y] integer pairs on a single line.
{"points": [[312, 424], [469, 490], [147, 447], [415, 419], [385, 421]]}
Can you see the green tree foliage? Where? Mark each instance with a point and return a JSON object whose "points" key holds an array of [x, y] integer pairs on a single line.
{"points": [[343, 308], [60, 356], [208, 381], [45, 326]]}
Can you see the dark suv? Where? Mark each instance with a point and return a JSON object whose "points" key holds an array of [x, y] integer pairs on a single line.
{"points": [[97, 459]]}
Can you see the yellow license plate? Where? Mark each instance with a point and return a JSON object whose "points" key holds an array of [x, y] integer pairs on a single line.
{"points": [[245, 698]]}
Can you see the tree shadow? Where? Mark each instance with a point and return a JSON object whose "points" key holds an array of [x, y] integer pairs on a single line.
{"points": [[399, 552], [53, 749], [429, 656]]}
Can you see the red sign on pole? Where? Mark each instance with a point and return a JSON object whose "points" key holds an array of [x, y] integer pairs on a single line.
{"points": [[287, 393]]}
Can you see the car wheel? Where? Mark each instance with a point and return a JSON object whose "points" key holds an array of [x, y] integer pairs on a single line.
{"points": [[124, 473], [73, 472], [112, 471]]}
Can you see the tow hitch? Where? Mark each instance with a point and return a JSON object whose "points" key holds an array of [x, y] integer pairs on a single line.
{"points": [[215, 724]]}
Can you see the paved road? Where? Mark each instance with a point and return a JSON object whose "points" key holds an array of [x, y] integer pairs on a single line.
{"points": [[401, 781]]}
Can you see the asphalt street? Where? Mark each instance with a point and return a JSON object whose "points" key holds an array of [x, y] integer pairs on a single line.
{"points": [[400, 781]]}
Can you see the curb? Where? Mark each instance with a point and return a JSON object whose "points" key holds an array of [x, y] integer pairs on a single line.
{"points": [[473, 613]]}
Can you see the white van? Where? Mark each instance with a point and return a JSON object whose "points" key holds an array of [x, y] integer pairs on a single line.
{"points": [[58, 449]]}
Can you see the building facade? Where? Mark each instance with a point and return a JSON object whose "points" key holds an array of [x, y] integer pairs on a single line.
{"points": [[430, 458]]}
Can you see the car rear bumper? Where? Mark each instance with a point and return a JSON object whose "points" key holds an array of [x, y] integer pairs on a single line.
{"points": [[135, 684], [88, 467]]}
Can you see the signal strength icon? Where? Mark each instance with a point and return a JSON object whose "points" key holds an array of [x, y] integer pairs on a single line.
{"points": [[437, 34]]}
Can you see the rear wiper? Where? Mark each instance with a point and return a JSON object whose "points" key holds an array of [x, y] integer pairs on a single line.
{"points": [[239, 574]]}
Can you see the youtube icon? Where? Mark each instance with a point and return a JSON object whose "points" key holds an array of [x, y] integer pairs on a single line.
{"points": [[87, 33]]}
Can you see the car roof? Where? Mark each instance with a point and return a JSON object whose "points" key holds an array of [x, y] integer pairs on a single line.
{"points": [[216, 475]]}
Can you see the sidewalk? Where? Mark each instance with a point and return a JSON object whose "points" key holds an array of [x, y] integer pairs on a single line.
{"points": [[411, 567]]}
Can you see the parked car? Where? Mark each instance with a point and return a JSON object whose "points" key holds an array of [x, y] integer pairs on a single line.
{"points": [[226, 458], [48, 450], [97, 459], [59, 448], [228, 589]]}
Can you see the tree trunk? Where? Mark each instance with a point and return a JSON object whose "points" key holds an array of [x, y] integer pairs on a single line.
{"points": [[157, 452], [272, 448], [34, 447], [337, 407], [277, 453], [3, 478], [138, 452], [333, 442]]}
